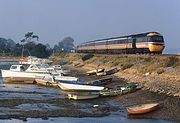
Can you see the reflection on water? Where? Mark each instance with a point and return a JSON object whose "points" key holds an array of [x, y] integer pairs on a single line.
{"points": [[109, 119]]}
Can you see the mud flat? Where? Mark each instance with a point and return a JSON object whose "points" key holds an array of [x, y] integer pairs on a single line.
{"points": [[169, 105]]}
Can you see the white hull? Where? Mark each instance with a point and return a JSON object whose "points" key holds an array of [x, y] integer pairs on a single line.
{"points": [[82, 97], [65, 78], [18, 76], [46, 83], [57, 78], [78, 87]]}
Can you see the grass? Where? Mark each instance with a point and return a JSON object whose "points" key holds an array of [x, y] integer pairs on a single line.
{"points": [[87, 56]]}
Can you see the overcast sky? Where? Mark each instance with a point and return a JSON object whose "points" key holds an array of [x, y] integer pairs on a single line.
{"points": [[86, 20]]}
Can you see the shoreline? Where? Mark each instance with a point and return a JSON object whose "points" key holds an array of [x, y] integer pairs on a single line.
{"points": [[169, 105], [155, 73]]}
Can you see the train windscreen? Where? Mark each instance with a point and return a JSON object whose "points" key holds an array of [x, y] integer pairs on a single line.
{"points": [[157, 39]]}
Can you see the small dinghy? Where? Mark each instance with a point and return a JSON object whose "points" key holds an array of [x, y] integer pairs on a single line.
{"points": [[142, 108], [83, 96], [100, 81], [93, 72]]}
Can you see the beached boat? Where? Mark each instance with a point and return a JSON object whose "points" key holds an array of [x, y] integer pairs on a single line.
{"points": [[120, 90], [18, 76], [46, 81], [71, 86], [83, 96], [93, 72], [111, 71], [107, 72], [100, 81], [26, 73], [51, 80], [142, 108]]}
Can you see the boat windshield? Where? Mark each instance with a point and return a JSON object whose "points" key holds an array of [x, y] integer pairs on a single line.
{"points": [[43, 66]]}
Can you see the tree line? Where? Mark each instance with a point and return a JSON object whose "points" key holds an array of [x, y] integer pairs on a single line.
{"points": [[28, 46]]}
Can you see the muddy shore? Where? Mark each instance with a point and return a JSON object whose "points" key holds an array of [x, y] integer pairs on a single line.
{"points": [[34, 101], [169, 105]]}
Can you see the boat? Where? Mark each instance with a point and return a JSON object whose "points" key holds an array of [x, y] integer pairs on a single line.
{"points": [[34, 60], [46, 81], [26, 73], [111, 71], [120, 90], [107, 72], [71, 86], [19, 76], [51, 80], [83, 96], [100, 81], [93, 72], [142, 108]]}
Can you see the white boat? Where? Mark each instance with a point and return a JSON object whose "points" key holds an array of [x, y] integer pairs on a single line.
{"points": [[23, 73], [68, 86], [82, 96], [51, 80], [19, 76], [34, 60], [47, 80]]}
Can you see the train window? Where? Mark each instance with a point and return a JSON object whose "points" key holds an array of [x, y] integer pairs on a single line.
{"points": [[100, 43], [157, 39]]}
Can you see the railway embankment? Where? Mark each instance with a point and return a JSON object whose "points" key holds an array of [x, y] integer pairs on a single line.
{"points": [[156, 73]]}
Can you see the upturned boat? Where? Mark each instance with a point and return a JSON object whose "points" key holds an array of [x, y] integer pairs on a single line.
{"points": [[93, 72], [142, 108]]}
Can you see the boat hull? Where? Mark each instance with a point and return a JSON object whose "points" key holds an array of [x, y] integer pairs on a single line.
{"points": [[46, 83], [142, 109], [18, 80], [19, 77], [82, 97], [78, 87]]}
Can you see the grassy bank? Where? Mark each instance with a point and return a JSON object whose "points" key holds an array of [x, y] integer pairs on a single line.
{"points": [[155, 73]]}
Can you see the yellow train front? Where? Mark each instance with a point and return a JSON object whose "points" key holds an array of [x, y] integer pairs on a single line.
{"points": [[151, 42]]}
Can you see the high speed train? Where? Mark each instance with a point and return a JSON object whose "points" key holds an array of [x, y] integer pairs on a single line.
{"points": [[150, 42]]}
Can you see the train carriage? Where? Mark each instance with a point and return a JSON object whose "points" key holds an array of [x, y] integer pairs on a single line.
{"points": [[151, 42]]}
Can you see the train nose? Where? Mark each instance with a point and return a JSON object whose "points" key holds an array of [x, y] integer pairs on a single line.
{"points": [[156, 47]]}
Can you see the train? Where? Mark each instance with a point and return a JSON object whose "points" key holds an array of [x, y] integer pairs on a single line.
{"points": [[142, 43]]}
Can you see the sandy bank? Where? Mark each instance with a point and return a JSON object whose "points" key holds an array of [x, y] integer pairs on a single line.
{"points": [[155, 73]]}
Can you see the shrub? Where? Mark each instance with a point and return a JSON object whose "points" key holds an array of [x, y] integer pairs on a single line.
{"points": [[87, 56], [160, 71], [171, 61], [126, 66]]}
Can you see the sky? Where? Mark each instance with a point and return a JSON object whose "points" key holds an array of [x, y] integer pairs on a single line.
{"points": [[86, 20]]}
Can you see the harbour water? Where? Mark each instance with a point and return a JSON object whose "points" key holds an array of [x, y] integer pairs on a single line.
{"points": [[32, 103]]}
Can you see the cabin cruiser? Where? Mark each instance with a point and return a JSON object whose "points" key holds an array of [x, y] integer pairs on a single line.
{"points": [[28, 73]]}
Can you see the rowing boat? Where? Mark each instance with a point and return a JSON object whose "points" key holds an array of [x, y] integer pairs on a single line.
{"points": [[142, 108]]}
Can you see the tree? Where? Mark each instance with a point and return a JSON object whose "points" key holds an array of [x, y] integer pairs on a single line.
{"points": [[67, 44]]}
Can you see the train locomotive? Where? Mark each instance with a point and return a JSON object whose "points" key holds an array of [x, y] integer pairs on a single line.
{"points": [[150, 42]]}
